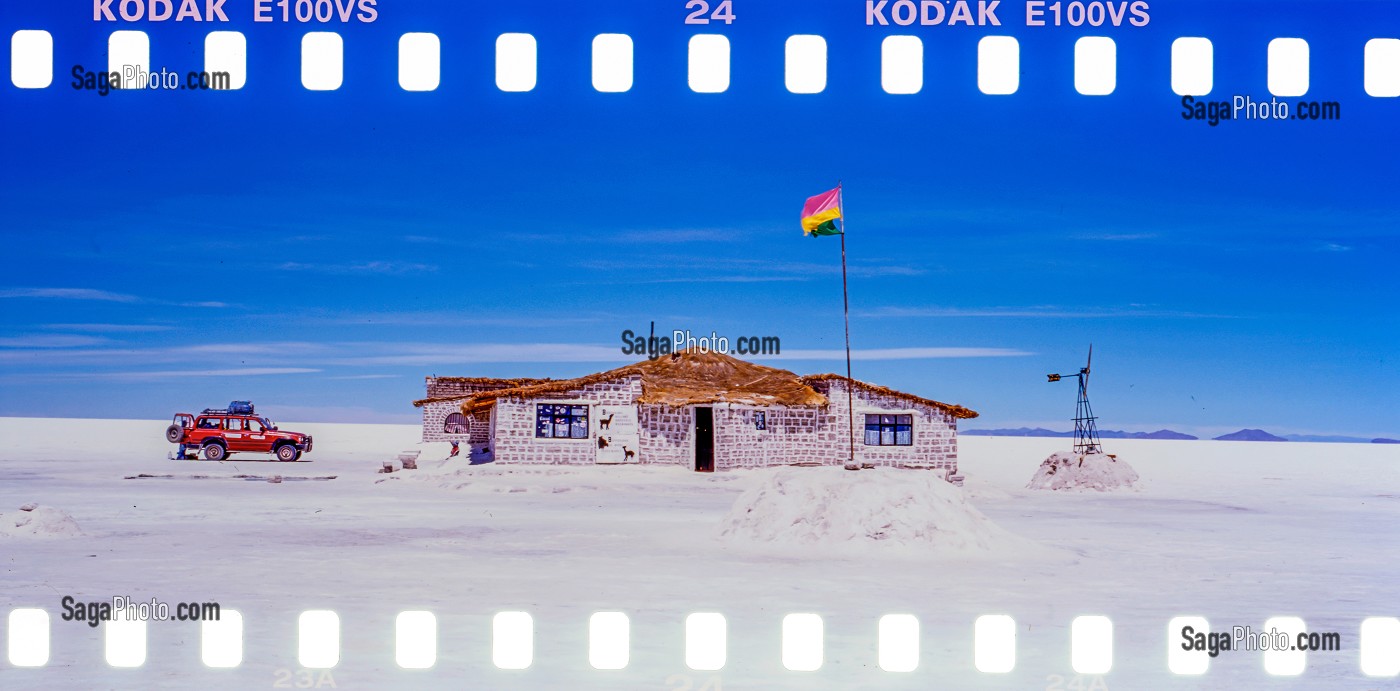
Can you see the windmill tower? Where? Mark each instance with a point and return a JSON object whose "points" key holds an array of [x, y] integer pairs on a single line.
{"points": [[1086, 431]]}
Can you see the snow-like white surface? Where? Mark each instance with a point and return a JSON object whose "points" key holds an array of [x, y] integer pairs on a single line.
{"points": [[1101, 472], [33, 520], [458, 476], [1235, 532], [832, 511]]}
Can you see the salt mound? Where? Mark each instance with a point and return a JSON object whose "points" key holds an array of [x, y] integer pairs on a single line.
{"points": [[1096, 471], [884, 508], [32, 520]]}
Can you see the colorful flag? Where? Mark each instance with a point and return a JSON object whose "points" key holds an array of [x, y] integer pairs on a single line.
{"points": [[820, 213]]}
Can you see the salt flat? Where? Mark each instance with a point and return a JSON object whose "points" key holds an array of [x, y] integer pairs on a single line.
{"points": [[1236, 532]]}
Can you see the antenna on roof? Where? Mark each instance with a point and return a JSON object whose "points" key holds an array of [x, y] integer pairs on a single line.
{"points": [[1086, 431]]}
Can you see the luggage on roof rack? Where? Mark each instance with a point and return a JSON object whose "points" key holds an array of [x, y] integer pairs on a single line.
{"points": [[234, 408]]}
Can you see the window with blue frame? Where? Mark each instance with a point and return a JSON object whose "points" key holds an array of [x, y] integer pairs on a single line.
{"points": [[889, 430], [760, 420], [561, 421]]}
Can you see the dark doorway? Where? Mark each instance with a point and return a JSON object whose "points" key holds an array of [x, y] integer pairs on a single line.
{"points": [[705, 440]]}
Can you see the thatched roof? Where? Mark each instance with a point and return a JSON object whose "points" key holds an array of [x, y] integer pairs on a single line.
{"points": [[954, 410], [491, 381], [691, 377], [684, 378], [477, 385]]}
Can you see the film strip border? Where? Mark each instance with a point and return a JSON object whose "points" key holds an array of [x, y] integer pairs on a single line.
{"points": [[898, 636], [805, 63]]}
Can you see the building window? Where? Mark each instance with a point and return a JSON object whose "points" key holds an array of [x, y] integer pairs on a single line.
{"points": [[760, 420], [456, 423], [557, 421], [889, 430]]}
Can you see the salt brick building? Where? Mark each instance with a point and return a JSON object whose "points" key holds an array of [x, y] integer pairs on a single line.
{"points": [[703, 411]]}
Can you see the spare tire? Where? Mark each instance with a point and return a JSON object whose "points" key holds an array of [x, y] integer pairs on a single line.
{"points": [[174, 434]]}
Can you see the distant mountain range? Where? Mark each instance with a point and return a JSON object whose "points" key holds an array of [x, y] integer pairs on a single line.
{"points": [[1249, 435], [1242, 435], [1103, 434], [1337, 438]]}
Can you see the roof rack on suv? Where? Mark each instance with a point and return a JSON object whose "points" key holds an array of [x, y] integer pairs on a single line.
{"points": [[234, 408]]}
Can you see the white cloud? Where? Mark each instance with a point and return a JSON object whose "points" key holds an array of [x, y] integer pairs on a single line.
{"points": [[456, 318], [1034, 312], [699, 279], [664, 269], [277, 357], [92, 294], [1115, 237], [376, 267], [107, 328], [421, 354], [670, 235], [438, 354], [896, 354], [265, 353], [50, 341], [287, 416], [182, 374], [68, 294]]}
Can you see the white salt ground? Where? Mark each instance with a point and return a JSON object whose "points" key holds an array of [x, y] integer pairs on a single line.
{"points": [[1092, 471], [1236, 532]]}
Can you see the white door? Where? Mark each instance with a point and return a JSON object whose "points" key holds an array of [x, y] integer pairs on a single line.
{"points": [[618, 435]]}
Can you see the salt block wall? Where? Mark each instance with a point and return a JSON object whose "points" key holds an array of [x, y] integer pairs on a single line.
{"points": [[435, 413], [792, 435], [435, 417], [479, 434], [665, 433], [515, 440], [935, 431], [802, 434]]}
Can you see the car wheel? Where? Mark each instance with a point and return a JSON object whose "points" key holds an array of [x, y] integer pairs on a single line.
{"points": [[174, 434], [286, 452], [215, 452], [298, 456]]}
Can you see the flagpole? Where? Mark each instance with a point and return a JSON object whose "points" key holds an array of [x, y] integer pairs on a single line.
{"points": [[846, 309]]}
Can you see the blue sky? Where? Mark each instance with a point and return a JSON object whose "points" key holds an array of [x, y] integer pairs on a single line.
{"points": [[321, 252]]}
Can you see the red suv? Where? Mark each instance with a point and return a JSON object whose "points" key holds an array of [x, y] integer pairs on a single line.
{"points": [[221, 432]]}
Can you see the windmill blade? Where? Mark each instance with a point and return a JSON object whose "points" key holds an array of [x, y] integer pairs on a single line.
{"points": [[1087, 366]]}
